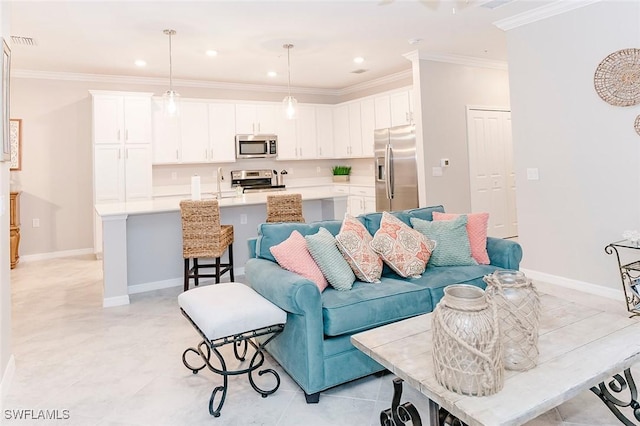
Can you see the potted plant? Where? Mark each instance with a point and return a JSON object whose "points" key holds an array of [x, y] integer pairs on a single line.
{"points": [[341, 173]]}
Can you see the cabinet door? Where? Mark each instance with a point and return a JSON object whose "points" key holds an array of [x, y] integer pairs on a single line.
{"points": [[108, 173], [245, 119], [194, 132], [383, 112], [166, 137], [137, 165], [324, 132], [355, 130], [287, 140], [368, 125], [267, 119], [400, 113], [107, 119], [356, 205], [369, 204], [222, 132], [306, 132], [137, 119], [341, 144]]}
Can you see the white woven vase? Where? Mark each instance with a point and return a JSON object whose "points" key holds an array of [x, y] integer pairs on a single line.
{"points": [[467, 353], [518, 305]]}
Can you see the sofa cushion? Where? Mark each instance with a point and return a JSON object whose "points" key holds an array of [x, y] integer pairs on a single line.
{"points": [[353, 242], [372, 221], [367, 306], [404, 249], [453, 248], [334, 267], [271, 234], [424, 213], [292, 254], [477, 224]]}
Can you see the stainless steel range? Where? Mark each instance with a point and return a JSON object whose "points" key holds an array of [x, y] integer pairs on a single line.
{"points": [[254, 181]]}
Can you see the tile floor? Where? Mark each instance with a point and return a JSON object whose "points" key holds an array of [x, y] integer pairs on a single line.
{"points": [[122, 366]]}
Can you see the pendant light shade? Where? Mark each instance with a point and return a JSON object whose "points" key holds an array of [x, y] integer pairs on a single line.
{"points": [[171, 98], [289, 104]]}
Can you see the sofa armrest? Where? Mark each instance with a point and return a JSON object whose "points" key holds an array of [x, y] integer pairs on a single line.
{"points": [[506, 254], [287, 290]]}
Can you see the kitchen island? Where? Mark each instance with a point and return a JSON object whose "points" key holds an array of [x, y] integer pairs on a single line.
{"points": [[142, 240]]}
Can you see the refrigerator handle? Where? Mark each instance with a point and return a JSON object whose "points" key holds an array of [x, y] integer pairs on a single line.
{"points": [[388, 158]]}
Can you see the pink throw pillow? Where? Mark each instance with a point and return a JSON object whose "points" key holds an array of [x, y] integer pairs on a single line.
{"points": [[477, 224], [404, 249], [353, 242], [292, 254]]}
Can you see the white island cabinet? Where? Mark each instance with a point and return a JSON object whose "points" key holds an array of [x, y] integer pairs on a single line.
{"points": [[142, 248]]}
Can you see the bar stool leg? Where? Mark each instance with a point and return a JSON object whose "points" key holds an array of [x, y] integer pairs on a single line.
{"points": [[231, 262], [186, 274], [195, 271], [217, 270]]}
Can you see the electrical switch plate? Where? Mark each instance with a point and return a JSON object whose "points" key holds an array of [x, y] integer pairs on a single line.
{"points": [[35, 223], [533, 174], [444, 162], [436, 171]]}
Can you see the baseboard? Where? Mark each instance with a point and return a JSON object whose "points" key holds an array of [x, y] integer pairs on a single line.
{"points": [[583, 286], [7, 378], [55, 254], [109, 302], [173, 282]]}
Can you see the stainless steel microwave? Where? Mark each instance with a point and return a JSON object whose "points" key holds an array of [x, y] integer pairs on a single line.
{"points": [[256, 146]]}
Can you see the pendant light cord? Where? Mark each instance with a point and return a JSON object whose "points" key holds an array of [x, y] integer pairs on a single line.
{"points": [[289, 46], [170, 65]]}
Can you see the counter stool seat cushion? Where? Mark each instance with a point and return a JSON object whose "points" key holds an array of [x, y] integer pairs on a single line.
{"points": [[228, 309]]}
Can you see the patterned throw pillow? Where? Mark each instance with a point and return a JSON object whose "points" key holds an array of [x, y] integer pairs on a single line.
{"points": [[453, 247], [292, 254], [353, 242], [477, 224], [323, 249], [405, 250]]}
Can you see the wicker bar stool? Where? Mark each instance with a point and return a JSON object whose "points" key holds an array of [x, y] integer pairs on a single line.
{"points": [[204, 237], [284, 208]]}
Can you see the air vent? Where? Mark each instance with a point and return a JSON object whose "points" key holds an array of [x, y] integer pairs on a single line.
{"points": [[23, 41], [360, 71]]}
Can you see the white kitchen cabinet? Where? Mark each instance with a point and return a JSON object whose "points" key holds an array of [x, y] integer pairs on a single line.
{"points": [[355, 130], [324, 132], [287, 139], [361, 200], [341, 139], [367, 126], [306, 138], [256, 119], [119, 118], [222, 132], [401, 108], [194, 132], [108, 173], [165, 135], [137, 172], [383, 112]]}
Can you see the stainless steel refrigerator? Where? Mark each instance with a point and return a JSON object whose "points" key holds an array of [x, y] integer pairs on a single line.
{"points": [[395, 168]]}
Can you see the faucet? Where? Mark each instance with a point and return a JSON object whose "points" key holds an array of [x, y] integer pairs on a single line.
{"points": [[219, 178]]}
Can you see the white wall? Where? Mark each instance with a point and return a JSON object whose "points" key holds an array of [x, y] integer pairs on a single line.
{"points": [[5, 276], [445, 90], [586, 150]]}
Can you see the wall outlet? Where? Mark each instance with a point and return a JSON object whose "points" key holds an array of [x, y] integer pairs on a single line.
{"points": [[174, 175], [444, 162], [436, 171], [533, 173], [35, 223], [243, 219]]}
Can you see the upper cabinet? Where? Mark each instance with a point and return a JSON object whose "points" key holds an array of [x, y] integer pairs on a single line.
{"points": [[222, 132], [341, 138], [367, 126], [324, 131], [194, 132], [393, 109], [121, 118], [256, 118], [165, 136]]}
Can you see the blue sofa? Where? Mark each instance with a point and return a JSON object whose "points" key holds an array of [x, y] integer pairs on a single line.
{"points": [[315, 347]]}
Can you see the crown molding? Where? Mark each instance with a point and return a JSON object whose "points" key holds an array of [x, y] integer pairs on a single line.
{"points": [[391, 78], [456, 59], [126, 79], [542, 12]]}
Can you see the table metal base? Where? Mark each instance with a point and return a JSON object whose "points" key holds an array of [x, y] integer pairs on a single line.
{"points": [[240, 343], [617, 385]]}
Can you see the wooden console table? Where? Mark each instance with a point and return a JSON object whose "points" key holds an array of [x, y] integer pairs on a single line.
{"points": [[14, 215]]}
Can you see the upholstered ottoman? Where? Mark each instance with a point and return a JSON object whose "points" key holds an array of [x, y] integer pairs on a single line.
{"points": [[230, 313]]}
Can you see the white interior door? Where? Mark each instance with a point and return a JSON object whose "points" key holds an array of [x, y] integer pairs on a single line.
{"points": [[491, 169]]}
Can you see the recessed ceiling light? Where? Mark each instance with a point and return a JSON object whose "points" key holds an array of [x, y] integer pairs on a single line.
{"points": [[212, 53], [358, 59], [140, 63], [272, 74]]}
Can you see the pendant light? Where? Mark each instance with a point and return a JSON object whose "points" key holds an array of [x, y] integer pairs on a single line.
{"points": [[171, 98], [289, 104]]}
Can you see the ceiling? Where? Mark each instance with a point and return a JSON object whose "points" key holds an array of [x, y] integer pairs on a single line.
{"points": [[106, 37]]}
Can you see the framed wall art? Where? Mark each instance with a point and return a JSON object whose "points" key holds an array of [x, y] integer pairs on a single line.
{"points": [[6, 67], [15, 138]]}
